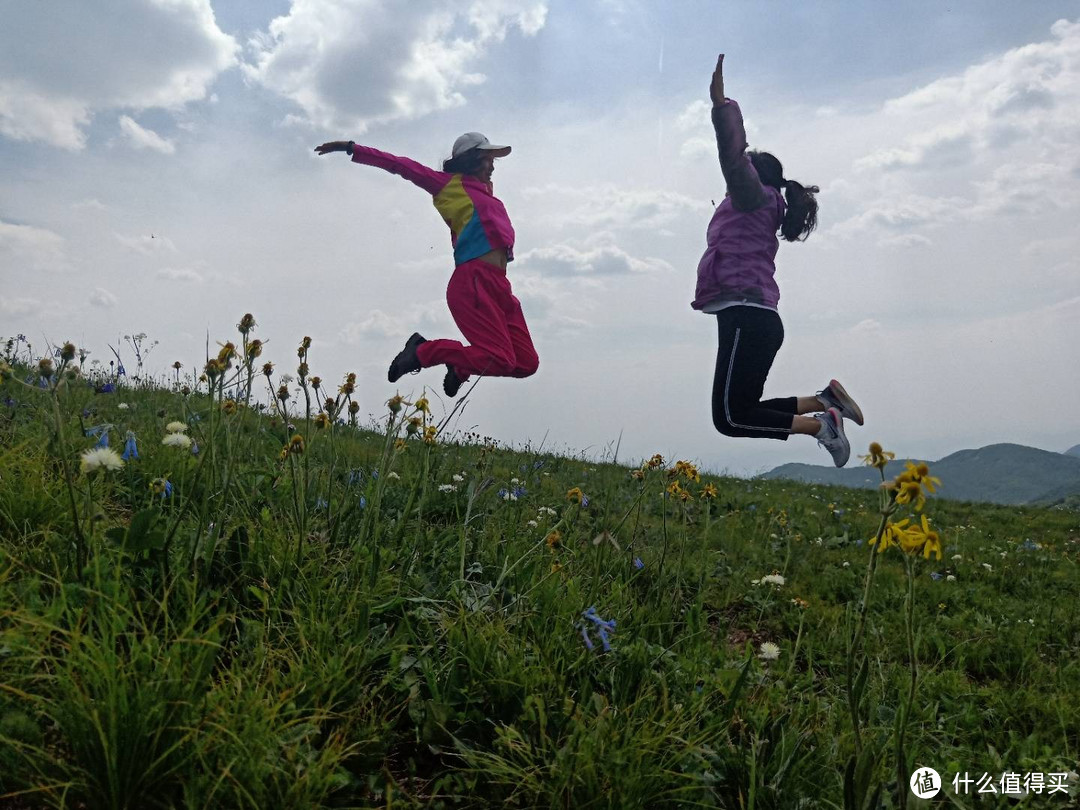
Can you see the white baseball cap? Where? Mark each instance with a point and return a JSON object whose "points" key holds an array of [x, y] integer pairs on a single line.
{"points": [[474, 140]]}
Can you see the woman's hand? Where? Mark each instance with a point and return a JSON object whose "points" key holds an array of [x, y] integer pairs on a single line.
{"points": [[332, 146], [716, 89]]}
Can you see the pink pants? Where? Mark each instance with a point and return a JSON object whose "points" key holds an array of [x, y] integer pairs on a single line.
{"points": [[489, 316]]}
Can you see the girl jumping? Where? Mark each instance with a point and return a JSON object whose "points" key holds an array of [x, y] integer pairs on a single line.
{"points": [[479, 295], [735, 282]]}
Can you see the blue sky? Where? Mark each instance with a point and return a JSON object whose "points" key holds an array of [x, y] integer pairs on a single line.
{"points": [[941, 286]]}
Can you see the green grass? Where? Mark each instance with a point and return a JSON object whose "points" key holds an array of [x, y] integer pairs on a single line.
{"points": [[300, 632]]}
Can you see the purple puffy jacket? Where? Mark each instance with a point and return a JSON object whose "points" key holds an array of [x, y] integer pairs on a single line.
{"points": [[739, 261]]}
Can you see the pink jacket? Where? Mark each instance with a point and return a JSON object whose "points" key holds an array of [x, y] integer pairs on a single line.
{"points": [[477, 218], [741, 244]]}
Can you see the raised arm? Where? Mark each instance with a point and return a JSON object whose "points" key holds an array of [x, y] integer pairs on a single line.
{"points": [[743, 184], [430, 180]]}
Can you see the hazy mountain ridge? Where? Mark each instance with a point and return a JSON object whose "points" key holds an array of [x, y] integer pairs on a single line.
{"points": [[998, 473]]}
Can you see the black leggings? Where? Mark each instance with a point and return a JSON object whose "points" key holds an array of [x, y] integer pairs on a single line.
{"points": [[750, 337]]}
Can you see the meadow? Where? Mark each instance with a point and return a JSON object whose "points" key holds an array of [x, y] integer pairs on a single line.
{"points": [[220, 589]]}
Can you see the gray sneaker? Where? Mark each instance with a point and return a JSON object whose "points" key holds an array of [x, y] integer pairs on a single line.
{"points": [[832, 436], [834, 396]]}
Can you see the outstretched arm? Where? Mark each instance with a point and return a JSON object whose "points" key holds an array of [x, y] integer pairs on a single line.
{"points": [[743, 184], [430, 180]]}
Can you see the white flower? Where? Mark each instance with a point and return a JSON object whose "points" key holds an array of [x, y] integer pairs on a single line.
{"points": [[447, 488], [393, 475], [847, 564], [987, 566], [514, 481], [457, 479], [546, 510], [958, 556], [773, 579], [950, 578], [768, 651], [177, 440], [101, 458], [532, 524], [122, 406], [176, 427]]}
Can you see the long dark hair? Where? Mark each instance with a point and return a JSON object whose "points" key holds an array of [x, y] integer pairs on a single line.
{"points": [[466, 163], [801, 215]]}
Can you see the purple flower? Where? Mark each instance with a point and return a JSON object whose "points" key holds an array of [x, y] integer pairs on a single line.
{"points": [[130, 449], [103, 440], [602, 627], [194, 448], [935, 575], [519, 492], [584, 500], [638, 564]]}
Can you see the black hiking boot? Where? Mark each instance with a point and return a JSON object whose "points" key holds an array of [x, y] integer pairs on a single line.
{"points": [[406, 361], [451, 383]]}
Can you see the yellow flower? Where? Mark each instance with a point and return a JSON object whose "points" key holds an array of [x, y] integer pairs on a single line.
{"points": [[395, 403], [924, 538], [553, 539], [422, 405], [893, 535], [430, 432], [296, 445], [708, 491], [638, 475], [229, 406], [674, 489], [400, 444], [413, 425], [349, 386], [877, 457], [911, 492], [316, 382], [685, 496], [656, 461], [920, 473], [575, 494], [322, 421]]}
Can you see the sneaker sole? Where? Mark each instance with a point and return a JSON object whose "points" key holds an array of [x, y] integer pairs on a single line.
{"points": [[846, 402]]}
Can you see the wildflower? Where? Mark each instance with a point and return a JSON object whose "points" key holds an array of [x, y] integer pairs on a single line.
{"points": [[247, 323], [585, 500], [400, 444], [768, 651], [177, 440], [194, 448], [268, 369], [546, 510], [655, 461], [553, 539], [893, 535], [322, 421], [638, 564], [45, 367], [685, 496], [575, 494], [130, 450], [227, 353], [395, 403], [877, 457], [846, 564], [519, 492], [958, 556], [283, 393], [456, 478], [447, 488], [6, 371], [602, 627], [708, 491], [922, 538], [987, 566], [773, 579], [316, 382], [950, 578], [506, 495], [911, 492], [67, 353], [229, 407], [305, 344], [532, 524], [103, 439], [100, 458], [422, 405], [920, 474], [296, 445], [802, 604], [638, 475], [177, 365], [413, 425], [936, 576], [556, 567], [176, 427], [302, 370], [123, 406], [162, 487], [674, 489], [348, 387], [254, 350], [430, 434]]}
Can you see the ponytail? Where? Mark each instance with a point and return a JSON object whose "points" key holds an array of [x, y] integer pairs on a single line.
{"points": [[801, 215]]}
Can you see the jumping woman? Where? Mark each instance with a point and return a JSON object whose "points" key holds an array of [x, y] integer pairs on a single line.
{"points": [[479, 295], [735, 282]]}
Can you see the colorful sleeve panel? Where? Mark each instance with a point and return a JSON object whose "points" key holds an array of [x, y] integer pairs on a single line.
{"points": [[429, 180], [456, 206]]}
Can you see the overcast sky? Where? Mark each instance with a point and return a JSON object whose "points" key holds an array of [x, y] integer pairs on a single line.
{"points": [[157, 175]]}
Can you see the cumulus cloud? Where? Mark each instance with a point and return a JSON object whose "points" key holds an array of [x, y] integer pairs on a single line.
{"points": [[147, 244], [179, 274], [599, 258], [142, 138], [101, 297], [350, 63], [379, 325], [18, 307], [610, 206], [124, 54], [896, 215], [24, 247]]}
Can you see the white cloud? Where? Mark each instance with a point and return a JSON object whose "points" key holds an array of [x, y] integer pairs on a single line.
{"points": [[101, 297], [18, 307], [147, 244], [604, 259], [614, 207], [179, 274], [59, 66], [378, 325], [349, 63], [24, 247], [142, 138]]}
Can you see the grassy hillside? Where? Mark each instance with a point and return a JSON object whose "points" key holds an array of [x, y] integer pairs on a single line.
{"points": [[286, 610], [998, 473]]}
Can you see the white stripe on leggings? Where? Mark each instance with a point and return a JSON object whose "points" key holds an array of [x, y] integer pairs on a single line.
{"points": [[727, 388]]}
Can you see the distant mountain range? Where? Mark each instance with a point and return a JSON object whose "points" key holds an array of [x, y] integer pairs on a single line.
{"points": [[998, 473]]}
